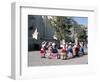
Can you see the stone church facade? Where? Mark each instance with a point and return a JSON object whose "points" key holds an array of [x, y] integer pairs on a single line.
{"points": [[44, 29]]}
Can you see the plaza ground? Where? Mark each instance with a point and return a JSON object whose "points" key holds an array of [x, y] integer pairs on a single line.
{"points": [[34, 59]]}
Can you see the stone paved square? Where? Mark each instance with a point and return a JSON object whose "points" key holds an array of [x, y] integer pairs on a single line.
{"points": [[34, 59]]}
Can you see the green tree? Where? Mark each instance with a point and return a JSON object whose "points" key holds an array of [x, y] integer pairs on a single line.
{"points": [[82, 35], [62, 26]]}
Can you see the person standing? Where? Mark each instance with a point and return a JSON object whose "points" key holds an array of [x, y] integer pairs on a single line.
{"points": [[63, 52], [43, 50], [70, 51]]}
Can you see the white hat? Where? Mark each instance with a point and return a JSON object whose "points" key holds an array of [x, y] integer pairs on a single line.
{"points": [[43, 45], [70, 43]]}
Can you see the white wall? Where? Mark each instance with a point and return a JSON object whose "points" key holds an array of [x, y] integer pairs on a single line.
{"points": [[5, 37]]}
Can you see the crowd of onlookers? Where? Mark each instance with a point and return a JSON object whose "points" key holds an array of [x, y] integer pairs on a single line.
{"points": [[68, 50]]}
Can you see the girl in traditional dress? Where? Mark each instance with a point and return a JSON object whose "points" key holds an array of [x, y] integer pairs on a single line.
{"points": [[70, 51], [49, 51], [54, 54], [81, 50], [63, 52], [43, 50], [77, 49], [74, 52]]}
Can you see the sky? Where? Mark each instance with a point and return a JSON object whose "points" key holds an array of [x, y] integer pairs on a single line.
{"points": [[81, 20]]}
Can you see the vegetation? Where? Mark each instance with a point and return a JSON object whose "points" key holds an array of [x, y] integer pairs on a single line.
{"points": [[82, 35], [62, 26]]}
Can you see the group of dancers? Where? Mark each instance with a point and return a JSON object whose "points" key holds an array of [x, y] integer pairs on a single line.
{"points": [[68, 50]]}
